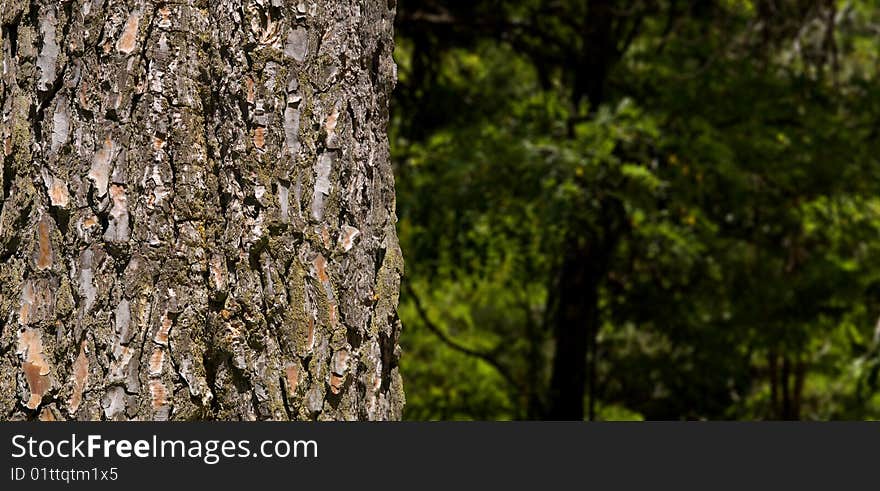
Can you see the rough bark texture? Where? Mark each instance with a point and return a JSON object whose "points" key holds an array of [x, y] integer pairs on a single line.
{"points": [[198, 211]]}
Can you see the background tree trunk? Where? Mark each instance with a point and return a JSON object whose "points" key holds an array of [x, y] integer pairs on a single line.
{"points": [[198, 211]]}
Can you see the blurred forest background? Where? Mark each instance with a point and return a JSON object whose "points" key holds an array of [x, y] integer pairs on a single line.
{"points": [[645, 209]]}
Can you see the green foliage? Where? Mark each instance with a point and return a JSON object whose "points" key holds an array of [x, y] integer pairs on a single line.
{"points": [[745, 281]]}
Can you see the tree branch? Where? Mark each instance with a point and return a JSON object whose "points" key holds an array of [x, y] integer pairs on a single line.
{"points": [[454, 344]]}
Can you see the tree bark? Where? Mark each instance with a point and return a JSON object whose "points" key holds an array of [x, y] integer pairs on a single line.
{"points": [[198, 211]]}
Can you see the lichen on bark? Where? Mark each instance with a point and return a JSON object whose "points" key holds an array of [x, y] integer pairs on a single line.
{"points": [[197, 214]]}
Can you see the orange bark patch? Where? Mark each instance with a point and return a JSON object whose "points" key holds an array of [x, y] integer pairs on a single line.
{"points": [[321, 268], [157, 359], [47, 415], [44, 258], [117, 191], [330, 123], [249, 83], [36, 369], [100, 169], [37, 383], [292, 372], [336, 382], [90, 221], [30, 346], [165, 328], [27, 303], [158, 394], [128, 39], [7, 146], [325, 236], [58, 193], [80, 377], [259, 137]]}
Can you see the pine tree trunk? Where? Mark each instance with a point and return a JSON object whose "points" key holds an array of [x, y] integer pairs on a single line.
{"points": [[198, 211]]}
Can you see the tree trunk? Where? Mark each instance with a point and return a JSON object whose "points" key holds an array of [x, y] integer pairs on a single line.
{"points": [[575, 320], [198, 211]]}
